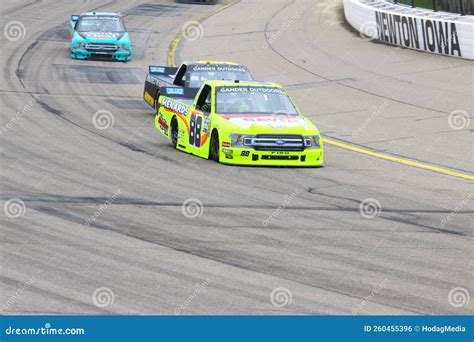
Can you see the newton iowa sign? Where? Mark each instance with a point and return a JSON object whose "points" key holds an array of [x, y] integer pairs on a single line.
{"points": [[416, 33]]}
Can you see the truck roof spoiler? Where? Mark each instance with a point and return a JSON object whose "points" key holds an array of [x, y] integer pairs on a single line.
{"points": [[161, 70]]}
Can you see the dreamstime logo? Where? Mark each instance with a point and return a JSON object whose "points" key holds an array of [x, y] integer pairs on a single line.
{"points": [[456, 210], [103, 119], [18, 115], [370, 207], [371, 118], [281, 297], [14, 30], [373, 293], [458, 297], [102, 297], [192, 208], [368, 31], [201, 288], [282, 207], [14, 208], [18, 293], [459, 119], [282, 29], [192, 30], [102, 208]]}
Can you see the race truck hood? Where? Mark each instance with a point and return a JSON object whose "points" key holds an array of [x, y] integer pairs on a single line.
{"points": [[275, 121]]}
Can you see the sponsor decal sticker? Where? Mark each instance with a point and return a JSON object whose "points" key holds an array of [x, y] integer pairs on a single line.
{"points": [[245, 89], [163, 124], [214, 68], [156, 81], [273, 121], [157, 70], [97, 17], [175, 91], [101, 35], [205, 126], [149, 99], [175, 106], [225, 144]]}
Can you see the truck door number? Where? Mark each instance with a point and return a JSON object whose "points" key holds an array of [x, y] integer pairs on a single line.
{"points": [[195, 126]]}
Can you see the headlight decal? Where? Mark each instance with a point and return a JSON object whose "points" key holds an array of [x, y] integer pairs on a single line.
{"points": [[312, 141], [238, 140]]}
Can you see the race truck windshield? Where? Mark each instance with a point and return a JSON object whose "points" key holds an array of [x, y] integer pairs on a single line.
{"points": [[100, 24], [253, 100], [201, 73]]}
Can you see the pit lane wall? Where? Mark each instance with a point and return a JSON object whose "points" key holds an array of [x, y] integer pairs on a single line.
{"points": [[434, 32]]}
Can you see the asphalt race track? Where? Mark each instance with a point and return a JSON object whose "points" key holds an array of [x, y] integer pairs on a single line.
{"points": [[103, 208]]}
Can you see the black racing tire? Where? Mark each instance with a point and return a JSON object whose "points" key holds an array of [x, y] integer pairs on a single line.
{"points": [[214, 146], [157, 104], [174, 132]]}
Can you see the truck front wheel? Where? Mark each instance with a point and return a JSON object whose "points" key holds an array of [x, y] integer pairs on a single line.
{"points": [[214, 148]]}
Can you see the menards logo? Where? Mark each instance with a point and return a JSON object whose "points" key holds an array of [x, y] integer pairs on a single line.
{"points": [[176, 106], [416, 33]]}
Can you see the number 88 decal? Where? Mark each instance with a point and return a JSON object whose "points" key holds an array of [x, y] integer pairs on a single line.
{"points": [[195, 125]]}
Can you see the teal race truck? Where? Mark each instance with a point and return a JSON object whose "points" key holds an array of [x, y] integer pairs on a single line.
{"points": [[100, 35]]}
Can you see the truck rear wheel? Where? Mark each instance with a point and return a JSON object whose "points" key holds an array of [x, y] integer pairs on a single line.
{"points": [[174, 132], [157, 103]]}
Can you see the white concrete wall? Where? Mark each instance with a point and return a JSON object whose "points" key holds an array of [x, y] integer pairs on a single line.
{"points": [[434, 32]]}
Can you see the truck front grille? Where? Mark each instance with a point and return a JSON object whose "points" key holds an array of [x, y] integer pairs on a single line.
{"points": [[102, 47], [276, 142]]}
